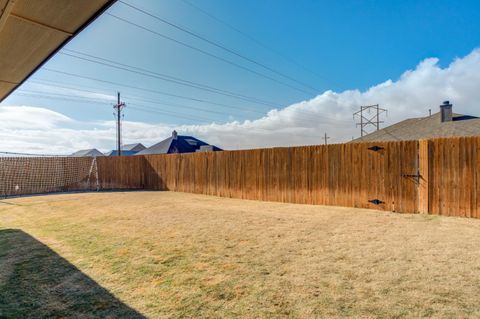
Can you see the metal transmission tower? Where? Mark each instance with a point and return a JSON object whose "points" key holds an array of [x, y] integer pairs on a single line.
{"points": [[118, 112], [367, 118]]}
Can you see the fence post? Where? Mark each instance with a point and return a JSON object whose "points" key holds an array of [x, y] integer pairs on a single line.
{"points": [[424, 159]]}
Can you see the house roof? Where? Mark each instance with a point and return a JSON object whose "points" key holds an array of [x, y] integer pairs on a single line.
{"points": [[136, 147], [426, 127], [90, 152], [124, 153], [31, 32], [178, 144]]}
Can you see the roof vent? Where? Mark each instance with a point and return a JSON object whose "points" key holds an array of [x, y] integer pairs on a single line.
{"points": [[174, 134], [446, 112]]}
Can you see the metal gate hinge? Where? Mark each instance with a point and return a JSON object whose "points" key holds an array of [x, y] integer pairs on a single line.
{"points": [[375, 148]]}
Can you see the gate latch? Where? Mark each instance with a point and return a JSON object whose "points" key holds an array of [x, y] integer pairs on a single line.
{"points": [[415, 177], [376, 201]]}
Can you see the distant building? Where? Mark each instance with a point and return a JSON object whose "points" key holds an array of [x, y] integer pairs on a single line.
{"points": [[128, 150], [93, 152], [124, 153], [135, 147], [442, 124], [179, 144]]}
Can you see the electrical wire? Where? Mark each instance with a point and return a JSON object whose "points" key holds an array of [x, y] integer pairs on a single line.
{"points": [[307, 120], [307, 114], [128, 96], [136, 87], [256, 41], [135, 106], [209, 54], [216, 44], [167, 78], [113, 101]]}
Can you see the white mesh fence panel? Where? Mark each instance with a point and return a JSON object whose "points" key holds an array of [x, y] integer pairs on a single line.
{"points": [[21, 174]]}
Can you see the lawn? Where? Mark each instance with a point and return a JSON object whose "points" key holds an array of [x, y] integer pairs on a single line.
{"points": [[176, 255]]}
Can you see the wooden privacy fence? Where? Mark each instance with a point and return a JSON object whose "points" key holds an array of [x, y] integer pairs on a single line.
{"points": [[355, 175], [450, 170], [437, 176]]}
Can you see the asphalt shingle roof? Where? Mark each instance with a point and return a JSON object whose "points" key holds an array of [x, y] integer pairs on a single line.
{"points": [[124, 153], [425, 127], [135, 147], [90, 152], [180, 144]]}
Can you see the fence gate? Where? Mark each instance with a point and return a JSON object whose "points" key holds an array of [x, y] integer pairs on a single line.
{"points": [[385, 175]]}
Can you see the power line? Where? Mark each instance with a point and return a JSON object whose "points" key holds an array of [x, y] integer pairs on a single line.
{"points": [[62, 97], [140, 88], [253, 39], [51, 83], [136, 87], [216, 44], [47, 83], [137, 106], [307, 120], [299, 111], [167, 78], [157, 102], [307, 113], [208, 53], [304, 116], [110, 101], [149, 109], [128, 96]]}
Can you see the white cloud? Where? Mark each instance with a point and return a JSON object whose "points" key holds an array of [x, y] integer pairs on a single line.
{"points": [[30, 129], [28, 117]]}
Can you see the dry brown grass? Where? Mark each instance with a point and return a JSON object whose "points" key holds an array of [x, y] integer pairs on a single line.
{"points": [[176, 255]]}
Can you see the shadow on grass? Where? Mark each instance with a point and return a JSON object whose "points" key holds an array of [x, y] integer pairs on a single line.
{"points": [[35, 282]]}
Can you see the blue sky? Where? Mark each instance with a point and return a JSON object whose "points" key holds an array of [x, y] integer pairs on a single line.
{"points": [[335, 45]]}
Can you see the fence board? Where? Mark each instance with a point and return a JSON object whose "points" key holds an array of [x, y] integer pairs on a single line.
{"points": [[454, 174], [343, 174]]}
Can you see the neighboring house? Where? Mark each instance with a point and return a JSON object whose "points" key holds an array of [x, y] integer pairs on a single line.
{"points": [[124, 153], [128, 150], [135, 147], [179, 144], [442, 124], [93, 152]]}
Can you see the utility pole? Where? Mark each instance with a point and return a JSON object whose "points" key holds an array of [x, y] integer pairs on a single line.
{"points": [[118, 108], [366, 120], [326, 138]]}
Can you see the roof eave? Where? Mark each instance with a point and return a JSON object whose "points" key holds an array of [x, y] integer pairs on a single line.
{"points": [[107, 5]]}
